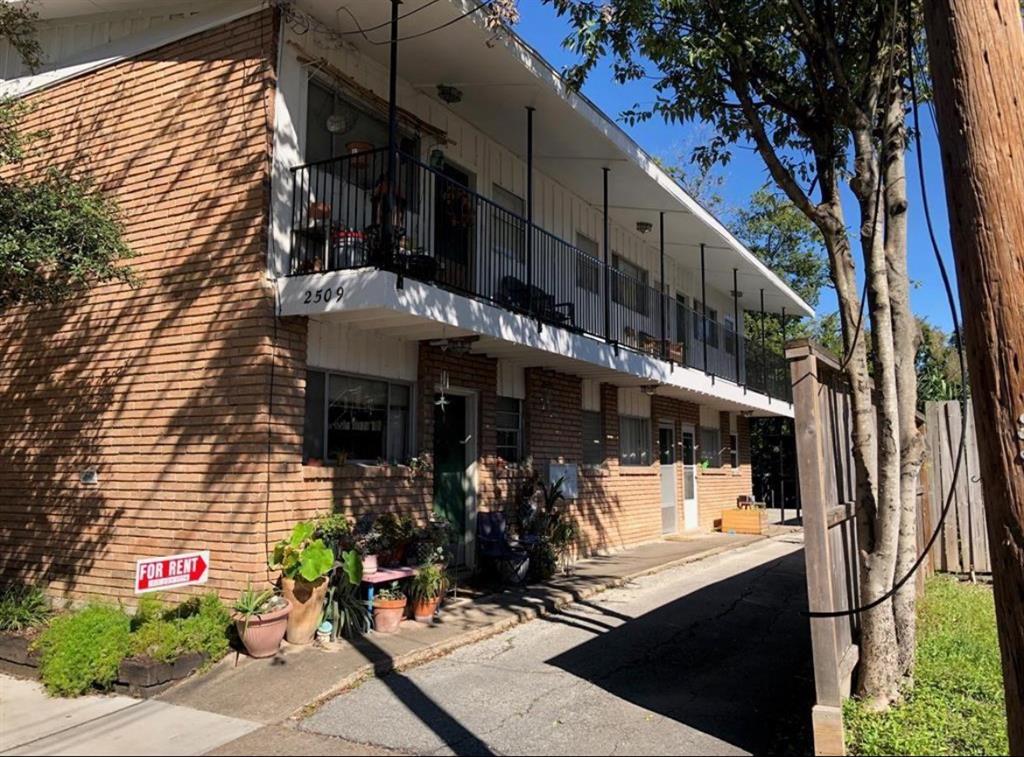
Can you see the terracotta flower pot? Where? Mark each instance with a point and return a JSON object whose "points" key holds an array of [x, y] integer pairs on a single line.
{"points": [[307, 601], [423, 609], [388, 614], [263, 633]]}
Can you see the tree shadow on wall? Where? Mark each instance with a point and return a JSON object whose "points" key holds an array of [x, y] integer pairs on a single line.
{"points": [[164, 388]]}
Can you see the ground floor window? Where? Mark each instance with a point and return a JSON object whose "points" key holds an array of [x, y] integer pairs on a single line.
{"points": [[634, 440], [734, 450], [711, 447], [508, 422], [593, 444], [356, 419]]}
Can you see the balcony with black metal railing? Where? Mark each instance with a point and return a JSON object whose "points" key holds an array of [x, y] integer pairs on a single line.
{"points": [[444, 234]]}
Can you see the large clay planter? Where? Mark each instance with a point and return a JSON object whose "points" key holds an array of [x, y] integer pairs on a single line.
{"points": [[423, 609], [307, 601], [388, 614], [262, 634]]}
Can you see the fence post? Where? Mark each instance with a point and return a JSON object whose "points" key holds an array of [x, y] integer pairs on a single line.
{"points": [[811, 433]]}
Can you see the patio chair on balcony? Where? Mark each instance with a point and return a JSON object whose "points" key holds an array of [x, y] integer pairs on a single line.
{"points": [[509, 561], [516, 294]]}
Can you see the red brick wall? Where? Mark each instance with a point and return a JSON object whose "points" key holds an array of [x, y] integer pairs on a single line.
{"points": [[163, 388], [718, 488]]}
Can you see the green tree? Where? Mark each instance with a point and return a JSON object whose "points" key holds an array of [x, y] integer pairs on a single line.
{"points": [[938, 365], [820, 91], [59, 233]]}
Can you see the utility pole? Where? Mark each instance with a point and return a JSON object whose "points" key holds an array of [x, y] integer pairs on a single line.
{"points": [[976, 49]]}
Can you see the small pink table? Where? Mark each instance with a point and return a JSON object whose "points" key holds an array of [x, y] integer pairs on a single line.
{"points": [[385, 576]]}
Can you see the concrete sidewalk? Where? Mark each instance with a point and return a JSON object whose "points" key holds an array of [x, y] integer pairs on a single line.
{"points": [[33, 723], [299, 678]]}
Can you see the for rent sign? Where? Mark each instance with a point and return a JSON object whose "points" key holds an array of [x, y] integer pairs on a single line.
{"points": [[173, 572]]}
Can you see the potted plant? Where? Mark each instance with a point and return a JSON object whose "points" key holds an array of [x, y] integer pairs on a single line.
{"points": [[304, 562], [427, 589], [396, 532], [389, 609], [261, 619]]}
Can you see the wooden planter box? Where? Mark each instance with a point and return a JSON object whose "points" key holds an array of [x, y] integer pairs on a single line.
{"points": [[15, 657], [747, 521]]}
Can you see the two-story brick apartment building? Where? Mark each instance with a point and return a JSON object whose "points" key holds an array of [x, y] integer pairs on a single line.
{"points": [[549, 299]]}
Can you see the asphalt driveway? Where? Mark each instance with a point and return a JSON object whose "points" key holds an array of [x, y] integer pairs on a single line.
{"points": [[709, 658]]}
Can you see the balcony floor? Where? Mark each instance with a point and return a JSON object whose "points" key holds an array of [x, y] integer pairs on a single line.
{"points": [[370, 300]]}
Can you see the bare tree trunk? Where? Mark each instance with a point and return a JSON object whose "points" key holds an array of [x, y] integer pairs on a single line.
{"points": [[905, 343], [976, 49], [878, 683]]}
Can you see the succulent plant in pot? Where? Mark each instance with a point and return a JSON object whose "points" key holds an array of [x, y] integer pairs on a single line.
{"points": [[261, 618], [428, 586], [304, 562], [389, 609]]}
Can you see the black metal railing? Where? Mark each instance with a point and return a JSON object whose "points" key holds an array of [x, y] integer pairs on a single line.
{"points": [[448, 235]]}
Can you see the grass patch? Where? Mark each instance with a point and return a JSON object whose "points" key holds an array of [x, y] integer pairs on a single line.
{"points": [[956, 705], [23, 607]]}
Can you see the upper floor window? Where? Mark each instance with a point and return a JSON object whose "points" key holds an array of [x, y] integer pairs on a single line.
{"points": [[729, 335], [509, 229], [356, 419], [705, 323], [588, 267], [630, 289]]}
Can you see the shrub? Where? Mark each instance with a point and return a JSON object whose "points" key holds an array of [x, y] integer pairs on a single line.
{"points": [[23, 607], [198, 625], [81, 651]]}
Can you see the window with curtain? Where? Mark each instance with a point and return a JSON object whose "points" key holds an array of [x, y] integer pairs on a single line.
{"points": [[634, 440], [588, 267], [711, 447], [355, 418], [593, 441], [508, 423]]}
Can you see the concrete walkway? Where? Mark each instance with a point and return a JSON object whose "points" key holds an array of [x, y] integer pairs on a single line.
{"points": [[299, 678], [708, 659], [33, 723]]}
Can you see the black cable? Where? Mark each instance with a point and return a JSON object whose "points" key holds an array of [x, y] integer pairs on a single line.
{"points": [[951, 299], [361, 31]]}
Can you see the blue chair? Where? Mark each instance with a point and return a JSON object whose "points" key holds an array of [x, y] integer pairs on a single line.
{"points": [[511, 562]]}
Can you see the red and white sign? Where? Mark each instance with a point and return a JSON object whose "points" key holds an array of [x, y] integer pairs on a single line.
{"points": [[173, 572]]}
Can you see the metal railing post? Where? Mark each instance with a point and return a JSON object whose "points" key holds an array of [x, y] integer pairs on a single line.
{"points": [[704, 308], [736, 322], [389, 200], [529, 207], [664, 300], [607, 266]]}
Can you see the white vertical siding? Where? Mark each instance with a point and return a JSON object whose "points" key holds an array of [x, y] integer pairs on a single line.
{"points": [[591, 395], [511, 380], [632, 401], [340, 348]]}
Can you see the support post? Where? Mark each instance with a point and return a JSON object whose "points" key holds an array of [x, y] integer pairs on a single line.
{"points": [[529, 204], [736, 323], [607, 265], [389, 199], [664, 294], [764, 352], [704, 308]]}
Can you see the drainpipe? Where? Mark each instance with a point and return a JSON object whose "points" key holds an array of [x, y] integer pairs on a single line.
{"points": [[607, 265], [704, 308], [529, 205], [664, 296], [736, 322], [392, 179]]}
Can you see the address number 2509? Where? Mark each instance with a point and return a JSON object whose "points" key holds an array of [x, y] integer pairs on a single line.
{"points": [[313, 296]]}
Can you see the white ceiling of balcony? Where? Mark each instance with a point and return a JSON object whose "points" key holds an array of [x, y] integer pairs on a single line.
{"points": [[572, 139]]}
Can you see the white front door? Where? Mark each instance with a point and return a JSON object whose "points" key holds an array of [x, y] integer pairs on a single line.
{"points": [[691, 519]]}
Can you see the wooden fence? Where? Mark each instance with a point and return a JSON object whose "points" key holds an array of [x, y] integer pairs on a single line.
{"points": [[963, 545], [823, 418]]}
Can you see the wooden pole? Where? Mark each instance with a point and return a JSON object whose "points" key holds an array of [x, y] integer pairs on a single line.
{"points": [[976, 49]]}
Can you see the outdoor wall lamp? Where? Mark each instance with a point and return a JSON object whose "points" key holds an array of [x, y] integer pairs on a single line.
{"points": [[644, 227], [449, 94]]}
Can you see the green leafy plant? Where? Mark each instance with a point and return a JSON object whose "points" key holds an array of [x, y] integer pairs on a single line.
{"points": [[199, 625], [396, 531], [336, 530], [393, 593], [349, 615], [433, 542], [23, 607], [301, 555], [252, 602], [81, 651], [428, 584]]}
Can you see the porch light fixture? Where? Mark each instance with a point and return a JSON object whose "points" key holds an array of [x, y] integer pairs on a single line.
{"points": [[644, 227], [649, 389], [437, 158], [735, 293], [449, 94]]}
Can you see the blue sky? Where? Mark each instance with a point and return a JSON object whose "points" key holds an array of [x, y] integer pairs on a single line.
{"points": [[745, 173]]}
